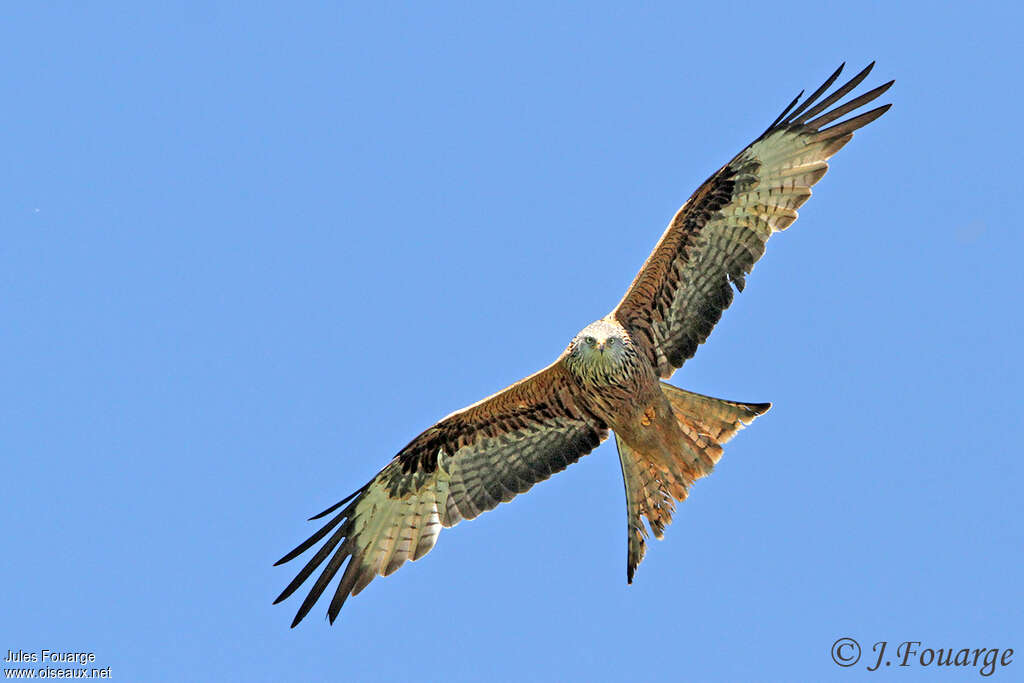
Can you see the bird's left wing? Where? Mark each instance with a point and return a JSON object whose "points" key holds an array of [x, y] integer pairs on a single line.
{"points": [[720, 232], [464, 465]]}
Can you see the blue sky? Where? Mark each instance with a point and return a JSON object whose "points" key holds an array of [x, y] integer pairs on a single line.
{"points": [[249, 251]]}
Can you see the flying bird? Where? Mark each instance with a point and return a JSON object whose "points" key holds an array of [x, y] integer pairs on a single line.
{"points": [[607, 380]]}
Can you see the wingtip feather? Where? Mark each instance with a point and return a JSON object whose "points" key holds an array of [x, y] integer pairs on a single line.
{"points": [[339, 503], [815, 95], [839, 93], [847, 127], [785, 111]]}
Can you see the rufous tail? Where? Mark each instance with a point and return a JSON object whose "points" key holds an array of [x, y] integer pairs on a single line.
{"points": [[706, 423]]}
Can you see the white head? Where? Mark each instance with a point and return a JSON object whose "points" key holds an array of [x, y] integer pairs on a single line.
{"points": [[601, 349]]}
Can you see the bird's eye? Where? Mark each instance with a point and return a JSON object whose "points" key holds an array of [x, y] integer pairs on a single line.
{"points": [[611, 341], [590, 341]]}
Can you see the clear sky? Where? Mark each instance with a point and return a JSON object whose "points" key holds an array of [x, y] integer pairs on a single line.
{"points": [[250, 250]]}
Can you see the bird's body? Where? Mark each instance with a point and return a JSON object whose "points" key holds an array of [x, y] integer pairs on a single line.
{"points": [[667, 438], [620, 387], [615, 379], [607, 380]]}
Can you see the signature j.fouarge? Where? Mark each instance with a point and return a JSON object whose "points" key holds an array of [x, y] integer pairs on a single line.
{"points": [[911, 653]]}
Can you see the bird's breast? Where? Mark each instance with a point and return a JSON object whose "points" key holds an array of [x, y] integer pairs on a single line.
{"points": [[621, 395]]}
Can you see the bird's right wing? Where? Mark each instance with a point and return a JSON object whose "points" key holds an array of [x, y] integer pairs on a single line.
{"points": [[464, 465]]}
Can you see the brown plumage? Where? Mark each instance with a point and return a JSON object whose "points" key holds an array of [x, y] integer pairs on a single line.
{"points": [[607, 378]]}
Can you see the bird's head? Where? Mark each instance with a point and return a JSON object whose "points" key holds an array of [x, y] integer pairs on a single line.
{"points": [[600, 347]]}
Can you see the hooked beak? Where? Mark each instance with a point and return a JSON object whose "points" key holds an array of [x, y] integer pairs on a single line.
{"points": [[600, 347]]}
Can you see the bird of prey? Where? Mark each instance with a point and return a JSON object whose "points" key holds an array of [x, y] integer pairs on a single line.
{"points": [[607, 380]]}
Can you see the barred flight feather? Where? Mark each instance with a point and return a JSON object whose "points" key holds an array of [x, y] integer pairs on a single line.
{"points": [[399, 514], [720, 232]]}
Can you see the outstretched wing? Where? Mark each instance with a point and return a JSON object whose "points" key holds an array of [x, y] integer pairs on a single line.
{"points": [[720, 232], [462, 466]]}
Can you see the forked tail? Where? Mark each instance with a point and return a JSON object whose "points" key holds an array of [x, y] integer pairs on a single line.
{"points": [[709, 422], [706, 423]]}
